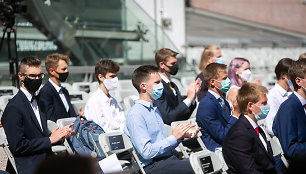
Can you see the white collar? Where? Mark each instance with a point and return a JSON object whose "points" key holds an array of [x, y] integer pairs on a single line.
{"points": [[27, 94], [254, 125], [302, 100], [165, 79], [103, 96], [282, 91], [217, 96], [57, 88]]}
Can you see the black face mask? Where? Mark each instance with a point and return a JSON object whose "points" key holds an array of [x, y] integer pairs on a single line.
{"points": [[62, 76], [173, 69], [32, 85]]}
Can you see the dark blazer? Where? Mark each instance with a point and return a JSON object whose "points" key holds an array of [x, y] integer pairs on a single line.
{"points": [[244, 152], [214, 121], [289, 127], [52, 105], [201, 94], [171, 107], [27, 142]]}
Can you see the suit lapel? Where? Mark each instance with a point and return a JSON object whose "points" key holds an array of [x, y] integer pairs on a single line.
{"points": [[56, 93], [253, 133], [169, 91], [30, 110]]}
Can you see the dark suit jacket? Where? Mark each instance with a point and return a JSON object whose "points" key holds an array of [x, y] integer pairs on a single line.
{"points": [[171, 107], [244, 152], [27, 142], [51, 103], [201, 94], [289, 127], [214, 121]]}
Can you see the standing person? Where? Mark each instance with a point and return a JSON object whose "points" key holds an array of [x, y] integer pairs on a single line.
{"points": [[245, 148], [214, 114], [145, 127], [171, 104], [211, 54], [101, 107], [25, 125], [55, 101], [280, 92], [289, 122]]}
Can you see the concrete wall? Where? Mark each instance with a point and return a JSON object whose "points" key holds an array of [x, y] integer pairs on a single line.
{"points": [[283, 14]]}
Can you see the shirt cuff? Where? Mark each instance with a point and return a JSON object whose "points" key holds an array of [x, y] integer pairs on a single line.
{"points": [[172, 140], [187, 102]]}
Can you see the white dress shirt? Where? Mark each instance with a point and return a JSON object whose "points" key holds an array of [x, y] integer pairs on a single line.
{"points": [[276, 96], [105, 112], [166, 80], [33, 105], [61, 94], [254, 125]]}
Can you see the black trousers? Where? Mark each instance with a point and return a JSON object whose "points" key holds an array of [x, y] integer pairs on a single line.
{"points": [[169, 165]]}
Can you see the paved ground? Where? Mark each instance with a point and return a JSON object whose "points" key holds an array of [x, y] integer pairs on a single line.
{"points": [[3, 159]]}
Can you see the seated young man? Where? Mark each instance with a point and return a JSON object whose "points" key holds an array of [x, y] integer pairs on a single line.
{"points": [[54, 100], [289, 122], [25, 125], [145, 127], [214, 114], [101, 107], [245, 148]]}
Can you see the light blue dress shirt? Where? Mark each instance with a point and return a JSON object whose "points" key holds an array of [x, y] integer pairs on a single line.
{"points": [[145, 127]]}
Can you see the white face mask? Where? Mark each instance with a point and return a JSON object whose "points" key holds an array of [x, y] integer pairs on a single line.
{"points": [[111, 84], [245, 75]]}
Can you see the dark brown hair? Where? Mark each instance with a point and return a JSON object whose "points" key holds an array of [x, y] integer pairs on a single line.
{"points": [[163, 55], [212, 72], [141, 74], [297, 69], [31, 61], [106, 66], [282, 67], [249, 92]]}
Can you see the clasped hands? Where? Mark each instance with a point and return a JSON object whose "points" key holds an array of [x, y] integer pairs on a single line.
{"points": [[183, 130], [59, 133]]}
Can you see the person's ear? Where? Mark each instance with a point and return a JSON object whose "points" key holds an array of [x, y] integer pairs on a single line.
{"points": [[143, 87], [298, 81], [101, 78], [250, 106], [283, 75], [212, 82], [161, 65], [20, 76], [51, 71]]}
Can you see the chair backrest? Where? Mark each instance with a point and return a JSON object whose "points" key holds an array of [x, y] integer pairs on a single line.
{"points": [[51, 125], [205, 161], [277, 149], [125, 85], [67, 86], [65, 121], [77, 104], [129, 102], [3, 102], [179, 86], [4, 144], [8, 90], [78, 95], [115, 142], [186, 82], [82, 86]]}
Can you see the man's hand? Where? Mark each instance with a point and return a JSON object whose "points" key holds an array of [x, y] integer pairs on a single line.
{"points": [[198, 84], [59, 133], [0, 124], [193, 89], [179, 130], [191, 133]]}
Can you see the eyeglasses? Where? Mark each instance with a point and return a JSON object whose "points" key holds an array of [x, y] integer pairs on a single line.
{"points": [[34, 76]]}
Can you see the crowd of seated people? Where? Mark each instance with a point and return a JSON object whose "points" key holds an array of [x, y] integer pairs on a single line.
{"points": [[229, 108]]}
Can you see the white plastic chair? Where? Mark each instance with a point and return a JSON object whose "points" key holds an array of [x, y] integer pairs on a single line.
{"points": [[3, 102], [77, 104], [186, 82], [57, 148], [218, 152], [4, 144], [125, 85], [67, 86], [82, 86], [205, 162], [62, 123], [8, 90], [118, 142], [277, 150], [129, 102], [78, 95], [179, 86]]}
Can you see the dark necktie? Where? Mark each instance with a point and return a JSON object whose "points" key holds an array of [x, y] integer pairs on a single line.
{"points": [[222, 103], [61, 90], [34, 97]]}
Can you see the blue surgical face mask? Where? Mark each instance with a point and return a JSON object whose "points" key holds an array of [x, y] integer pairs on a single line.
{"points": [[157, 91], [264, 112], [219, 60], [225, 85]]}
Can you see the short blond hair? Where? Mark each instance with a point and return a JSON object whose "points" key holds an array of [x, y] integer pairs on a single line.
{"points": [[249, 92], [53, 59]]}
